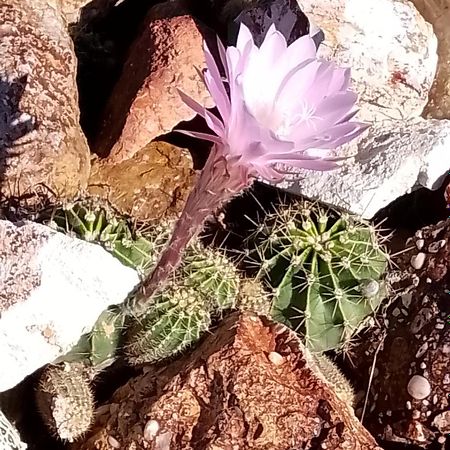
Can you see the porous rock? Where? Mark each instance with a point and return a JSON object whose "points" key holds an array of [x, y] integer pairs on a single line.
{"points": [[408, 349], [145, 102], [52, 290], [390, 48], [390, 161], [437, 13], [41, 142], [232, 392]]}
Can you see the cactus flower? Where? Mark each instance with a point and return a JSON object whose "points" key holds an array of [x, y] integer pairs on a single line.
{"points": [[278, 104]]}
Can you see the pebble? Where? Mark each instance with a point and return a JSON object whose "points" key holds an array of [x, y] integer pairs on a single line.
{"points": [[113, 442], [417, 261], [419, 244], [419, 387], [151, 430], [276, 358]]}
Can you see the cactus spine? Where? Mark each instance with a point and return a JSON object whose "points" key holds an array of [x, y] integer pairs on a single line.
{"points": [[327, 269]]}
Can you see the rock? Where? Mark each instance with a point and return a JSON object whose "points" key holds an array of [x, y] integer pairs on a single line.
{"points": [[391, 161], [287, 17], [52, 290], [389, 47], [231, 393], [145, 102], [41, 142], [408, 350], [437, 12], [72, 9], [9, 436], [154, 183]]}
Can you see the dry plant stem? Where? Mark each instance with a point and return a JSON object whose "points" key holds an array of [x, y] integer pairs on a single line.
{"points": [[219, 181]]}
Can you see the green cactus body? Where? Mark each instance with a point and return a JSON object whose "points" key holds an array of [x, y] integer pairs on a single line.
{"points": [[253, 296], [176, 319], [9, 437], [65, 400], [327, 270]]}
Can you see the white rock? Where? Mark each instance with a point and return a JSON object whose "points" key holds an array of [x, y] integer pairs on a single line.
{"points": [[419, 387], [390, 48], [52, 290], [392, 160]]}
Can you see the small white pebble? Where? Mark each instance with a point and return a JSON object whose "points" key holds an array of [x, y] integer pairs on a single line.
{"points": [[419, 244], [396, 312], [423, 365], [408, 405], [151, 430], [417, 261], [276, 358], [419, 387], [113, 442], [415, 414]]}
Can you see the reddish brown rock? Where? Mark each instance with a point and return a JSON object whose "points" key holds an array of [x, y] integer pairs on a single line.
{"points": [[154, 183], [409, 351], [251, 385], [145, 102], [41, 142]]}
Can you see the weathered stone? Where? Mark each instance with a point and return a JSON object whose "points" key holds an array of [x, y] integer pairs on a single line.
{"points": [[408, 352], [231, 393], [41, 142], [145, 102], [437, 12], [52, 290], [393, 159], [389, 47], [9, 436], [154, 183]]}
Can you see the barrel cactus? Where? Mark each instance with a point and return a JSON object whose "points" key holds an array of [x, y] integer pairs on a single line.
{"points": [[9, 437], [327, 270]]}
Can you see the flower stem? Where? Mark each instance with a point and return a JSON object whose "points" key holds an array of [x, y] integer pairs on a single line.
{"points": [[219, 181]]}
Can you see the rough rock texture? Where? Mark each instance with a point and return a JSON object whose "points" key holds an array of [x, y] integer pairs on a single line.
{"points": [[52, 290], [154, 183], [72, 8], [389, 47], [145, 102], [390, 161], [251, 385], [9, 437], [437, 12], [41, 141], [409, 396]]}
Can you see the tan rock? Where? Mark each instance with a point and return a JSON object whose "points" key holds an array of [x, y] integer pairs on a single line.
{"points": [[145, 102], [437, 12], [229, 394], [155, 182], [41, 142]]}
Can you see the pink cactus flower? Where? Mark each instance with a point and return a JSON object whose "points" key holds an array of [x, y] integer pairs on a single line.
{"points": [[278, 104]]}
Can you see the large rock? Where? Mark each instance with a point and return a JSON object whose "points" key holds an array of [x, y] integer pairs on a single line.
{"points": [[145, 102], [41, 142], [408, 350], [389, 47], [437, 12], [52, 290], [250, 385], [393, 159], [153, 183]]}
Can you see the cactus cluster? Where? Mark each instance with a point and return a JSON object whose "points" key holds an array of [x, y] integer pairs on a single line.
{"points": [[9, 436], [327, 270], [65, 400]]}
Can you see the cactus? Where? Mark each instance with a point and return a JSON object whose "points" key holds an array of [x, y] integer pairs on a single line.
{"points": [[65, 400], [177, 318], [93, 222], [335, 378], [253, 296], [9, 436], [327, 269], [205, 285]]}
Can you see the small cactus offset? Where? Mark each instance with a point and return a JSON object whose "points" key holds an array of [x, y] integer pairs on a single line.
{"points": [[205, 285], [65, 400], [176, 319], [9, 436], [253, 296], [327, 270], [97, 223]]}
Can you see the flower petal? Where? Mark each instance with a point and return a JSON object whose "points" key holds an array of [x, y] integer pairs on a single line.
{"points": [[204, 136]]}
